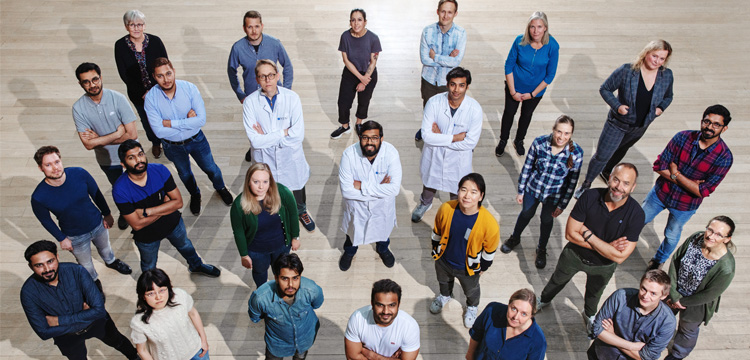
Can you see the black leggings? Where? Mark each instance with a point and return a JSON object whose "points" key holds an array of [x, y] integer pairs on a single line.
{"points": [[347, 91]]}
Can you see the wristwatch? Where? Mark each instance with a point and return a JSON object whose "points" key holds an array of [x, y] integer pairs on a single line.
{"points": [[144, 213], [674, 176]]}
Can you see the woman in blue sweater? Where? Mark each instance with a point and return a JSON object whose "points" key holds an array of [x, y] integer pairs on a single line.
{"points": [[529, 69]]}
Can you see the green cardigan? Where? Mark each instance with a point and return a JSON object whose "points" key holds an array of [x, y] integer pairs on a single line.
{"points": [[244, 225], [702, 305]]}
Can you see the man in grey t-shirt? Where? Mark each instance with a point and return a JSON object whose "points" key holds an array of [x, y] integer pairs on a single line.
{"points": [[103, 119]]}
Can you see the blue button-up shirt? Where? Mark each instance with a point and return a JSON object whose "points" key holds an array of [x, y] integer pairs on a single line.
{"points": [[289, 328], [489, 331], [243, 55], [435, 70], [160, 107], [65, 301], [546, 175], [654, 329]]}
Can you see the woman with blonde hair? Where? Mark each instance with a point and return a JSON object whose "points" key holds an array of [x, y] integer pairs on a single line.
{"points": [[264, 221], [644, 91]]}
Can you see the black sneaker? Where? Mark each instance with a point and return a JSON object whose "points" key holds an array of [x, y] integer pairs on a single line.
{"points": [[604, 175], [340, 131], [307, 221], [653, 265], [500, 148], [120, 267], [122, 224], [509, 244], [225, 196], [418, 135], [388, 259], [195, 204], [541, 258], [249, 155], [345, 262], [358, 129], [582, 189], [518, 145], [207, 270]]}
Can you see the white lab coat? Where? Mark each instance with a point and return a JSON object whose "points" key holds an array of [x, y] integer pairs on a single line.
{"points": [[445, 162], [369, 213], [283, 154]]}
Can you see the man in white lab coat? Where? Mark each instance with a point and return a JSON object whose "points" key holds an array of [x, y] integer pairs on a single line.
{"points": [[370, 179], [451, 127], [274, 124]]}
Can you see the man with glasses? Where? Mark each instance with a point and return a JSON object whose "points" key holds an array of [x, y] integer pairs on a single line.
{"points": [[103, 119], [245, 54], [274, 124], [690, 168]]}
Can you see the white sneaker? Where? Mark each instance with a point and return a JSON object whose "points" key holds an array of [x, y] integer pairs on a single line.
{"points": [[419, 211], [540, 305], [588, 322], [437, 305], [581, 189], [470, 316]]}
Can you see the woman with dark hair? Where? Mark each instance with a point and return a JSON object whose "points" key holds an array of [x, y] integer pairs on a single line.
{"points": [[264, 221], [135, 54], [464, 241], [360, 49], [508, 332], [166, 325], [549, 176], [530, 67], [701, 269]]}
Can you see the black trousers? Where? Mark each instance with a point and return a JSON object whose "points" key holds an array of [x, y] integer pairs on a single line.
{"points": [[347, 91], [73, 346], [511, 107]]}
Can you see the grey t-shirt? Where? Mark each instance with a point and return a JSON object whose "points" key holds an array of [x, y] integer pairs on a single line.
{"points": [[358, 50], [103, 118]]}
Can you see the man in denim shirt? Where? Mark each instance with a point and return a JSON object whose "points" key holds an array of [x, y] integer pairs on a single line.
{"points": [[287, 305]]}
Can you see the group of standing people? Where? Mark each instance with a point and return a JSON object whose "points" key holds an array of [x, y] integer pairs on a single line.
{"points": [[602, 230]]}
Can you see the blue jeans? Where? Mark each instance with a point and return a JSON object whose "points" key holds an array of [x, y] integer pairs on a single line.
{"points": [[82, 248], [528, 211], [150, 251], [113, 172], [200, 150], [198, 357], [262, 261], [652, 206], [380, 246]]}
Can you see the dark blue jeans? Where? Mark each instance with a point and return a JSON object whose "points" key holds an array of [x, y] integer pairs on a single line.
{"points": [[146, 126], [380, 246], [530, 204], [262, 261], [113, 172], [200, 150], [150, 251]]}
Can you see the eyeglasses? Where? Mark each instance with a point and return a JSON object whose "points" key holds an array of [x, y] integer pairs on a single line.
{"points": [[95, 80], [267, 77], [370, 138], [714, 125], [151, 294], [136, 26], [710, 232]]}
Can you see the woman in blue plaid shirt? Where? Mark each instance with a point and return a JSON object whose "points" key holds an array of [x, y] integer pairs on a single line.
{"points": [[549, 176]]}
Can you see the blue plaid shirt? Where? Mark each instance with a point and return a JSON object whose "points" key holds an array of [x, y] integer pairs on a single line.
{"points": [[435, 70], [546, 175]]}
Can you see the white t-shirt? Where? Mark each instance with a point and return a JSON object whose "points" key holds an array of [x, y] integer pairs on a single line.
{"points": [[402, 333], [170, 334]]}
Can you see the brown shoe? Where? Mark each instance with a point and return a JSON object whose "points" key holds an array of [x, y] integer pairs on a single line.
{"points": [[156, 151]]}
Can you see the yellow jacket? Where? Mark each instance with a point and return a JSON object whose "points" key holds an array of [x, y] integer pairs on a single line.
{"points": [[483, 239]]}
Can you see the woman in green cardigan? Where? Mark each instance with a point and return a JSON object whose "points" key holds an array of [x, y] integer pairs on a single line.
{"points": [[264, 221], [701, 270]]}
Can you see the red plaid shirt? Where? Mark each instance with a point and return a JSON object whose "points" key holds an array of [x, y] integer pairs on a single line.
{"points": [[710, 165]]}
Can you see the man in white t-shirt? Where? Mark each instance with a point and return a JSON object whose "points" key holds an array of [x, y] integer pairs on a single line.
{"points": [[380, 331]]}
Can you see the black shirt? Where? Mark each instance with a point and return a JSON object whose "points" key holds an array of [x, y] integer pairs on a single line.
{"points": [[642, 102], [627, 220]]}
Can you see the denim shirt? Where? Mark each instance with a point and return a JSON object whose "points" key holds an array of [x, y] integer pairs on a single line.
{"points": [[289, 328]]}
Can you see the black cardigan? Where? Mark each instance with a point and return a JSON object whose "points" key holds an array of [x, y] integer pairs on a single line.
{"points": [[130, 72]]}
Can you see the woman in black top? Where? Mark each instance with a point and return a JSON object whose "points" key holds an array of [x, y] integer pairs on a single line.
{"points": [[135, 54]]}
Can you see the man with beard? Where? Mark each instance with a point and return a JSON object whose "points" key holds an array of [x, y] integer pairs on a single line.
{"points": [[451, 127], [370, 179], [287, 305], [602, 231], [61, 302], [245, 54], [68, 193], [690, 168], [176, 113], [150, 201], [103, 119], [380, 330], [275, 126]]}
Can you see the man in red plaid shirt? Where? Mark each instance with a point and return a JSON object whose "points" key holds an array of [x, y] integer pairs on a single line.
{"points": [[690, 168]]}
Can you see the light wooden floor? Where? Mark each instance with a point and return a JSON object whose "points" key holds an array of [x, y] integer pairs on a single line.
{"points": [[43, 41]]}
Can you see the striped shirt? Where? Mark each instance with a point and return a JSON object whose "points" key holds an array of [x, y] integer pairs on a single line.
{"points": [[546, 175], [435, 70]]}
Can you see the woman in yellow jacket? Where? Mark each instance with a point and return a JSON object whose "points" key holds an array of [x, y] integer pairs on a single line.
{"points": [[464, 241]]}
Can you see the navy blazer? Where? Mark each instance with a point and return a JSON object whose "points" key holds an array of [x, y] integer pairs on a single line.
{"points": [[625, 81]]}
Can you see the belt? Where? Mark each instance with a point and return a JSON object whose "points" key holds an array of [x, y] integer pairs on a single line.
{"points": [[182, 142]]}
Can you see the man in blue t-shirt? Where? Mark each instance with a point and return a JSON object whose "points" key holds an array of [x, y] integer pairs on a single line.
{"points": [[68, 193], [149, 200]]}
